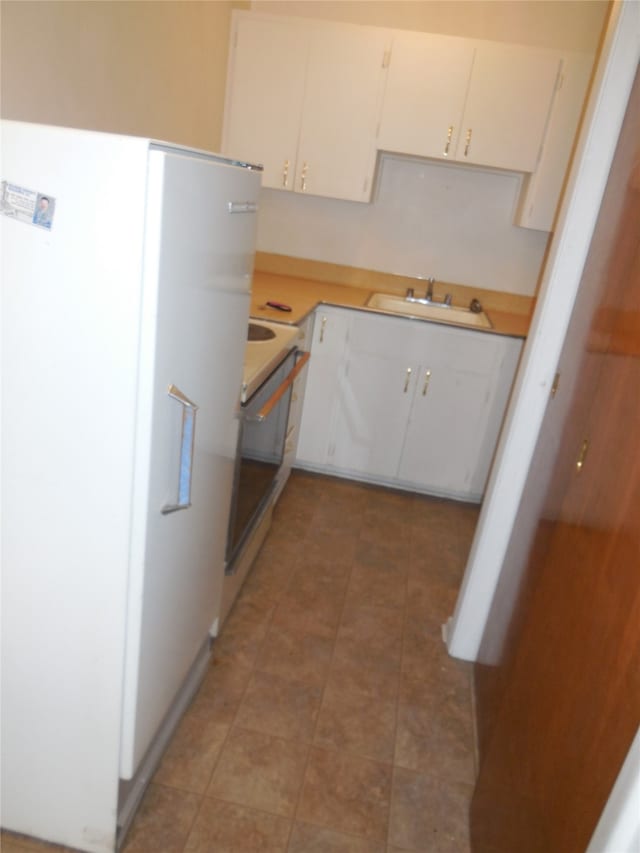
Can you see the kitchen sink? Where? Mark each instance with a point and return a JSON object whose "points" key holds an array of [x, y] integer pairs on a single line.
{"points": [[429, 311]]}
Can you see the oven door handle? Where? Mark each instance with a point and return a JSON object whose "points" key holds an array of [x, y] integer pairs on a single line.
{"points": [[280, 391]]}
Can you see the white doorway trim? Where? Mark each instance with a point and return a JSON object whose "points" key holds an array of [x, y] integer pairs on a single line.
{"points": [[561, 278]]}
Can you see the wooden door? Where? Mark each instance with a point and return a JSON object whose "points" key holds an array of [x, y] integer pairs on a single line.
{"points": [[558, 711]]}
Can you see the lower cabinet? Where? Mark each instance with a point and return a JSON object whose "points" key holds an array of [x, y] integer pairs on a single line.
{"points": [[324, 385], [406, 403]]}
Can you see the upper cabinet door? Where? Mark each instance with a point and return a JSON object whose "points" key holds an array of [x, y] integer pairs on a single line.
{"points": [[507, 107], [265, 90], [337, 151], [425, 94]]}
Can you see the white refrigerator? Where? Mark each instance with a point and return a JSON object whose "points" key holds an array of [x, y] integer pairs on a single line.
{"points": [[126, 272]]}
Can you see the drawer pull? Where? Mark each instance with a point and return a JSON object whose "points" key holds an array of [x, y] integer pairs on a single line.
{"points": [[467, 142], [322, 327], [406, 381], [448, 145], [427, 379]]}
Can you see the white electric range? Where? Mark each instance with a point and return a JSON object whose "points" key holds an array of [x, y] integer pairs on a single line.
{"points": [[263, 356]]}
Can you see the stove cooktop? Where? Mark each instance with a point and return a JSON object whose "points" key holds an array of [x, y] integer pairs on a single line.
{"points": [[261, 357]]}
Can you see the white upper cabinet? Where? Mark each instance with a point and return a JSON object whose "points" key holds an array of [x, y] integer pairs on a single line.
{"points": [[424, 99], [265, 90], [507, 106], [303, 99], [477, 102], [337, 149], [313, 101], [541, 194]]}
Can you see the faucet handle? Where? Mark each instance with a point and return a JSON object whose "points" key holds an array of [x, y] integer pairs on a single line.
{"points": [[430, 282]]}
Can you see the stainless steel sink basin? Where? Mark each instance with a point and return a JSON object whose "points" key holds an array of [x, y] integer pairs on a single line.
{"points": [[431, 311]]}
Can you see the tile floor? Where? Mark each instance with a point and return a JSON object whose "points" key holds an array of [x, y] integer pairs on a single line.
{"points": [[331, 719]]}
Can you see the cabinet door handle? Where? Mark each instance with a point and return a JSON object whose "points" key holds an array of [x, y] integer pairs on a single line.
{"points": [[582, 455], [467, 142], [406, 381], [285, 174], [448, 145], [303, 177], [322, 326], [427, 379]]}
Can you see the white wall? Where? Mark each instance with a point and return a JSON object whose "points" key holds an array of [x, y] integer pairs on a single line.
{"points": [[452, 222], [566, 24], [448, 221], [143, 68]]}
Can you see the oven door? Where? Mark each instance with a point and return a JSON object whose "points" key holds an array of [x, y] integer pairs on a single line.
{"points": [[263, 430]]}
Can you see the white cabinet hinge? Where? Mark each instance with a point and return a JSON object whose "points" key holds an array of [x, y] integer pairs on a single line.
{"points": [[386, 59]]}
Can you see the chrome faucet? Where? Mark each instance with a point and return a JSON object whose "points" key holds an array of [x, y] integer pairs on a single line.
{"points": [[428, 298]]}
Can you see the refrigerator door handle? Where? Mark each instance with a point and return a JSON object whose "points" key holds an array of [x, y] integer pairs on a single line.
{"points": [[186, 450]]}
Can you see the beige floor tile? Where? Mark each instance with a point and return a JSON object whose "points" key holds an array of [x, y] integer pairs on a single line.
{"points": [[227, 828], [267, 580], [377, 677], [321, 573], [386, 554], [306, 838], [377, 587], [244, 631], [350, 722], [296, 656], [429, 602], [326, 543], [347, 794], [221, 691], [260, 771], [373, 630], [279, 707], [437, 740], [192, 753], [427, 815], [163, 822], [421, 643], [11, 842], [330, 666], [310, 607], [440, 676]]}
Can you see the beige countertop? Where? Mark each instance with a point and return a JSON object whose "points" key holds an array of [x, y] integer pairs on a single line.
{"points": [[305, 284]]}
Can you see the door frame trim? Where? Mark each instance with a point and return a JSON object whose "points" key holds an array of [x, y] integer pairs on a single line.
{"points": [[561, 276]]}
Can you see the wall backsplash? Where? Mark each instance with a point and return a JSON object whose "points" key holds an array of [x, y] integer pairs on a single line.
{"points": [[426, 218]]}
